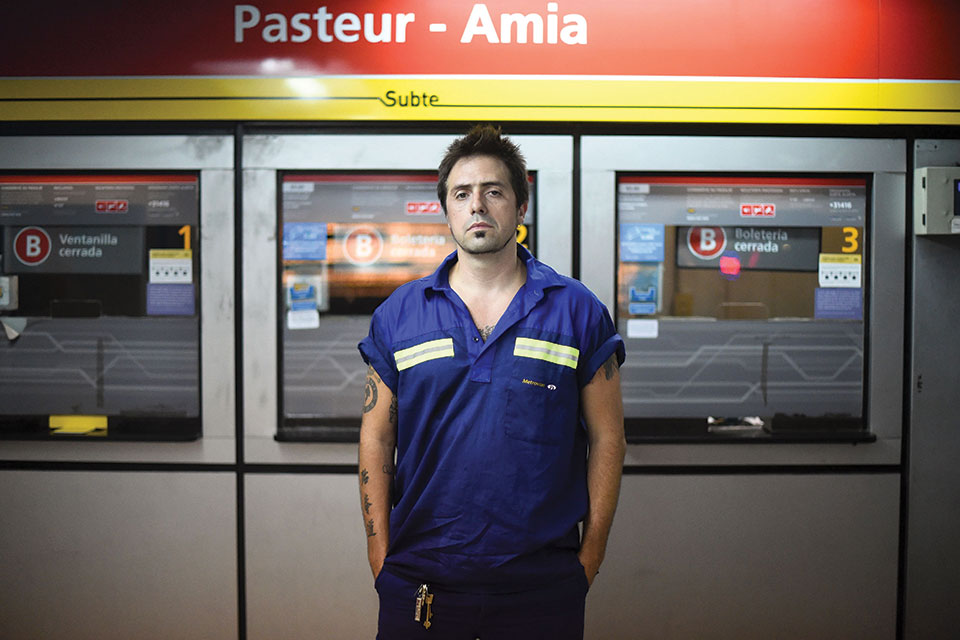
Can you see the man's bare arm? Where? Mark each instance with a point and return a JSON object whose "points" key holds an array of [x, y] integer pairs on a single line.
{"points": [[602, 407], [378, 440]]}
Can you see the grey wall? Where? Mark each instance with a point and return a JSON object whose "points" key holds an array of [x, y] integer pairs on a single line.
{"points": [[307, 573], [932, 579], [698, 556], [933, 559], [117, 555], [750, 556], [153, 555]]}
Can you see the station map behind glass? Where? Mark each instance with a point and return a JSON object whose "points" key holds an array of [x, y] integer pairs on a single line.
{"points": [[742, 297], [347, 241], [99, 305]]}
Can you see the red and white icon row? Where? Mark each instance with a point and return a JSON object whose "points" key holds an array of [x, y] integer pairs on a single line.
{"points": [[761, 210]]}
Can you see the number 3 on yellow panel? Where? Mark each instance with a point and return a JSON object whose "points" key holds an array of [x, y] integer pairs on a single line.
{"points": [[851, 240]]}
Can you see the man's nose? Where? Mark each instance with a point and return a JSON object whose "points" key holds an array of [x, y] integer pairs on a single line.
{"points": [[476, 202]]}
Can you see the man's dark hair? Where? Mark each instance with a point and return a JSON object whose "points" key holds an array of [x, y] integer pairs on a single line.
{"points": [[486, 140]]}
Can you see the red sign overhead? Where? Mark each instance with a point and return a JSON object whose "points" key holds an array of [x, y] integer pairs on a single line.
{"points": [[858, 39]]}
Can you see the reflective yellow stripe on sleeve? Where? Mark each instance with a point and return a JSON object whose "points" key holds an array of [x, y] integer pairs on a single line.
{"points": [[549, 351], [431, 350]]}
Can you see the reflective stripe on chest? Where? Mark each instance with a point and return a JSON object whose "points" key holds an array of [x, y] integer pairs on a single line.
{"points": [[549, 351], [430, 350]]}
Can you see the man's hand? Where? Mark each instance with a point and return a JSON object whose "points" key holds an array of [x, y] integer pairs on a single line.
{"points": [[591, 566], [376, 564]]}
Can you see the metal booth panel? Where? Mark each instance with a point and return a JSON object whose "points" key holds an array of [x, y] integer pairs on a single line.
{"points": [[307, 575], [750, 557], [264, 157], [212, 158], [883, 160], [118, 555]]}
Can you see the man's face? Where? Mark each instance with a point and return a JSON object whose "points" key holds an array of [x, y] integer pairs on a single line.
{"points": [[482, 210]]}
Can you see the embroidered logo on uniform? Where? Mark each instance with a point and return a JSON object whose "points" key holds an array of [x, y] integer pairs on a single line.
{"points": [[418, 353], [550, 351], [534, 383]]}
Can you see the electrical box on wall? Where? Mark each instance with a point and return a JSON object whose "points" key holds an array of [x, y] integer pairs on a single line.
{"points": [[936, 200]]}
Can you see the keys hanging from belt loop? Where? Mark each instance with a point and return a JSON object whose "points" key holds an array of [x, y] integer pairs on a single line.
{"points": [[426, 620], [421, 599], [424, 597]]}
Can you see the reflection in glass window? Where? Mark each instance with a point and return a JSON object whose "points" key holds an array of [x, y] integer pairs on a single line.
{"points": [[99, 305], [742, 301], [347, 241]]}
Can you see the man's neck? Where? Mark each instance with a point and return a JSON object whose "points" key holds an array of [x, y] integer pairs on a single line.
{"points": [[487, 273]]}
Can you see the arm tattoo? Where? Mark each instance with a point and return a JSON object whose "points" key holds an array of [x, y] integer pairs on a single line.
{"points": [[389, 469], [370, 390], [370, 531], [610, 366], [366, 503], [364, 477], [393, 411], [486, 331]]}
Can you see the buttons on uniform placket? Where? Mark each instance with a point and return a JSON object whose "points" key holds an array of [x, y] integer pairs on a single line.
{"points": [[482, 363]]}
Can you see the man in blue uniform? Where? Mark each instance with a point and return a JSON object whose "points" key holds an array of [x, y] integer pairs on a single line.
{"points": [[492, 426]]}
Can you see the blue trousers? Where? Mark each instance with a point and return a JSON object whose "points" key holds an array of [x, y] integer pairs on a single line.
{"points": [[554, 612]]}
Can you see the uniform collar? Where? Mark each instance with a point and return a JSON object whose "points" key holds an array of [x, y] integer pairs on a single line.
{"points": [[540, 277]]}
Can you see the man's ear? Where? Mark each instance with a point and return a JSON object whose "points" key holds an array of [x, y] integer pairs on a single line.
{"points": [[521, 212]]}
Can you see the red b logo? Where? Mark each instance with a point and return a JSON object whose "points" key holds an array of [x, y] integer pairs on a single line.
{"points": [[706, 243], [31, 246], [363, 246]]}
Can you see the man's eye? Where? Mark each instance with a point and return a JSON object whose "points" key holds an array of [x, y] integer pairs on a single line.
{"points": [[493, 192], [460, 196]]}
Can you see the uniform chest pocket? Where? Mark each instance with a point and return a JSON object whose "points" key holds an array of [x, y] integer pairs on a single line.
{"points": [[542, 397]]}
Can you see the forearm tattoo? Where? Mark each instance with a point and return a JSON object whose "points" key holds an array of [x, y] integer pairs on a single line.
{"points": [[393, 411], [370, 390], [610, 366], [364, 479]]}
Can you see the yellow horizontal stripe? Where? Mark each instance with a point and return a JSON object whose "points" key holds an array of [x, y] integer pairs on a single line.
{"points": [[168, 254], [549, 351], [621, 99], [77, 424], [839, 258], [431, 350]]}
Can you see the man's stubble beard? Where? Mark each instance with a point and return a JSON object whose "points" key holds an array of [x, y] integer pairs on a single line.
{"points": [[479, 252]]}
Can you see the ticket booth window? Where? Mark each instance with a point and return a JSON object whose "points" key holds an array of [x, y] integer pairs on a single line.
{"points": [[99, 304], [347, 240], [742, 299]]}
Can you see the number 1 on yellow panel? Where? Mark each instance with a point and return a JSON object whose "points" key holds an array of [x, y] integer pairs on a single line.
{"points": [[185, 232]]}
